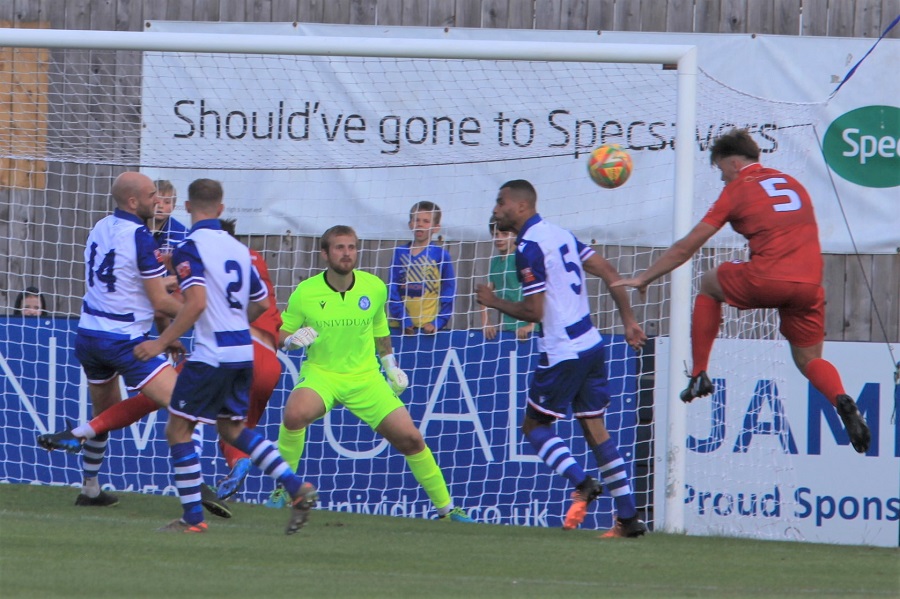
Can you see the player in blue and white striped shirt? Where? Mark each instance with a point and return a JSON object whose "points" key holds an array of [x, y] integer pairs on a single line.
{"points": [[124, 287], [571, 372], [220, 286]]}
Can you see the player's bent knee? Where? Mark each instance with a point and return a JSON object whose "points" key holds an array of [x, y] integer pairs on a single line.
{"points": [[105, 396], [295, 420], [407, 442], [178, 430], [534, 419], [410, 445]]}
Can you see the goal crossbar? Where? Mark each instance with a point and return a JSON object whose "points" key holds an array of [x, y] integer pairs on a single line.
{"points": [[351, 46]]}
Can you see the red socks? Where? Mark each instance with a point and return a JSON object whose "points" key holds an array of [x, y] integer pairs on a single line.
{"points": [[705, 323], [825, 378], [231, 453], [122, 414]]}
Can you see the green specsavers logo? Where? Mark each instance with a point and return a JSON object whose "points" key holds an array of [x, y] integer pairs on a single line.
{"points": [[863, 146]]}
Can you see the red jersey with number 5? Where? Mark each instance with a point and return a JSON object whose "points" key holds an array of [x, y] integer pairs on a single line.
{"points": [[774, 212]]}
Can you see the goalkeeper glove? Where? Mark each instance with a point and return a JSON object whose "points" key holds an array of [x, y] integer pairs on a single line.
{"points": [[300, 338], [396, 377]]}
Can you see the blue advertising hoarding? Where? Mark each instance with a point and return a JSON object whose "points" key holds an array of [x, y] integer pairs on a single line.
{"points": [[466, 396]]}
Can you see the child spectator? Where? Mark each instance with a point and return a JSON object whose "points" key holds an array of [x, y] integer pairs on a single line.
{"points": [[167, 231], [505, 281], [422, 282]]}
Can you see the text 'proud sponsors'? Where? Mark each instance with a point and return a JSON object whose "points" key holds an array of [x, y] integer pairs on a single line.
{"points": [[808, 505]]}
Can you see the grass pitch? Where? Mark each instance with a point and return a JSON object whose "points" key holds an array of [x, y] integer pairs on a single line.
{"points": [[50, 548]]}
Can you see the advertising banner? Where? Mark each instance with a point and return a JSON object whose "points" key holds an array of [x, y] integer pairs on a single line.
{"points": [[466, 396], [768, 457], [363, 141]]}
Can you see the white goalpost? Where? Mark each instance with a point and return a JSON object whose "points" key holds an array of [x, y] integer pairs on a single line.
{"points": [[310, 131]]}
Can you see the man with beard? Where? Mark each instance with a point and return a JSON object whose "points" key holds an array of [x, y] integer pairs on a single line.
{"points": [[339, 316], [125, 286], [571, 373]]}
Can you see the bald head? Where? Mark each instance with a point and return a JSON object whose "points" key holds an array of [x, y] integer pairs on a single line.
{"points": [[135, 193], [130, 184]]}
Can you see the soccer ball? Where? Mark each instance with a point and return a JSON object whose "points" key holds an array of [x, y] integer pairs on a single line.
{"points": [[609, 166]]}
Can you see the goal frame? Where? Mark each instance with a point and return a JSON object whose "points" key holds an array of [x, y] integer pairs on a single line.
{"points": [[669, 511]]}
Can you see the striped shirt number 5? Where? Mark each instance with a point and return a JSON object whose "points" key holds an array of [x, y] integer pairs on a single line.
{"points": [[571, 267]]}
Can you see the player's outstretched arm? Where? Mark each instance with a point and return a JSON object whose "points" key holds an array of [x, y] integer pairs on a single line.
{"points": [[530, 309], [680, 252], [161, 300], [194, 305], [176, 350]]}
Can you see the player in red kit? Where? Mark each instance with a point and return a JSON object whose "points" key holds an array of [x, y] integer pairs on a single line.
{"points": [[266, 374], [774, 213]]}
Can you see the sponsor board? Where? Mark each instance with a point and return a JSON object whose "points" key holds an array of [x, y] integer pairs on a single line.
{"points": [[768, 457], [466, 396], [319, 136]]}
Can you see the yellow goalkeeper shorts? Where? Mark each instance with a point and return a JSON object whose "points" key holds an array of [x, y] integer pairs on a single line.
{"points": [[368, 396]]}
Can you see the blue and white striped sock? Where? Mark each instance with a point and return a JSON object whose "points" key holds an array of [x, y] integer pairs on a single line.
{"points": [[92, 454], [265, 456], [556, 454], [197, 438], [615, 478], [188, 479]]}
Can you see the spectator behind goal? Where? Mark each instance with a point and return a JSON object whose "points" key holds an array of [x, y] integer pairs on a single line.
{"points": [[422, 283]]}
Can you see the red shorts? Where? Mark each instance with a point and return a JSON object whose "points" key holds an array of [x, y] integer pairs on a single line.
{"points": [[801, 306], [266, 374]]}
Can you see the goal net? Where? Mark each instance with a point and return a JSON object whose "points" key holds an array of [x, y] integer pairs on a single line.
{"points": [[302, 143]]}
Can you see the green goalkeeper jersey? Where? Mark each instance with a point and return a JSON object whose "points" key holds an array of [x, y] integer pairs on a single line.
{"points": [[347, 323]]}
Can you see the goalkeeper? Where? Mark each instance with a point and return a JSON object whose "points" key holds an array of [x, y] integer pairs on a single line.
{"points": [[339, 316]]}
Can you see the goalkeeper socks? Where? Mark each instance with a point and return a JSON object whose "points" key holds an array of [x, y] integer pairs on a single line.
{"points": [[264, 455], [120, 415], [705, 323], [825, 378], [556, 454], [426, 471], [615, 478], [290, 445], [186, 465], [92, 453]]}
